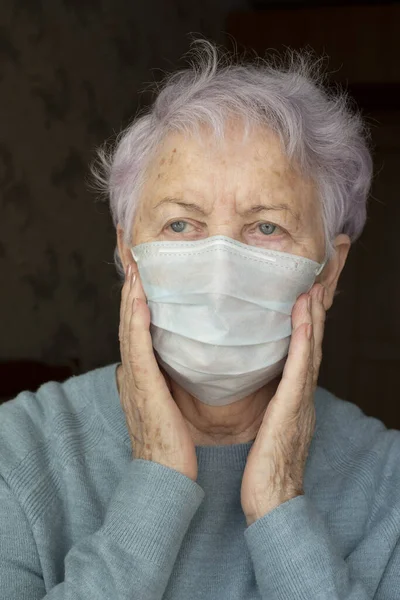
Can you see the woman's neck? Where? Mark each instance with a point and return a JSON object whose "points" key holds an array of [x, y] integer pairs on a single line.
{"points": [[235, 423]]}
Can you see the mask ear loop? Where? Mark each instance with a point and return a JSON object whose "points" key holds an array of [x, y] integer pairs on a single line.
{"points": [[321, 267]]}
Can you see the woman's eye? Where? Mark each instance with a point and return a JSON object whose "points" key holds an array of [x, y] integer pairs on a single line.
{"points": [[267, 228], [178, 226]]}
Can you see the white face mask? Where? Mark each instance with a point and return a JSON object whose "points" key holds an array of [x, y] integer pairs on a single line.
{"points": [[221, 312]]}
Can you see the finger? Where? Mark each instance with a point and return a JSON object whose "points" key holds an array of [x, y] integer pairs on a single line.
{"points": [[301, 311], [130, 269], [125, 318], [124, 294], [126, 288], [302, 317], [143, 364], [136, 273], [318, 318], [308, 388], [131, 273], [297, 368]]}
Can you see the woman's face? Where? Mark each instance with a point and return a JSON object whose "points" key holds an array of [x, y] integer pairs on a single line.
{"points": [[247, 191]]}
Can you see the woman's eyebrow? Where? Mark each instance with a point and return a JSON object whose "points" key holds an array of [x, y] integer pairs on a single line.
{"points": [[188, 205], [268, 207], [253, 210]]}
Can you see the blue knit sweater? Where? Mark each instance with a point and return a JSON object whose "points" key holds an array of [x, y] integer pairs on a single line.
{"points": [[81, 520]]}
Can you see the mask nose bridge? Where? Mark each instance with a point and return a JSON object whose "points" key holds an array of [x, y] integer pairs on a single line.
{"points": [[222, 270]]}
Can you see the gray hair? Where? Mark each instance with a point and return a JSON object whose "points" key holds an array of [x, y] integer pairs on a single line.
{"points": [[318, 129]]}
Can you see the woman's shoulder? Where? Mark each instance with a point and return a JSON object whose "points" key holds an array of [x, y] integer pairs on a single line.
{"points": [[350, 438], [344, 417], [33, 422]]}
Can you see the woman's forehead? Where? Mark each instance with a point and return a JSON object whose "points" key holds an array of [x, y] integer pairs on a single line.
{"points": [[261, 145], [238, 171]]}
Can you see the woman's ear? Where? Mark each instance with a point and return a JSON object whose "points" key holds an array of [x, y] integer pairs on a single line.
{"points": [[330, 273]]}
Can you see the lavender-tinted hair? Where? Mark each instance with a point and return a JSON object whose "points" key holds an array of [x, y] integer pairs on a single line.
{"points": [[318, 129]]}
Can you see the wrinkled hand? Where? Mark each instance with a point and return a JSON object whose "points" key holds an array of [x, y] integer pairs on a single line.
{"points": [[275, 466], [157, 429]]}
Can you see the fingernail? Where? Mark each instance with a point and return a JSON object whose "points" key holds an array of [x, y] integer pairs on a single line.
{"points": [[321, 294], [128, 270], [309, 303], [309, 331], [133, 280]]}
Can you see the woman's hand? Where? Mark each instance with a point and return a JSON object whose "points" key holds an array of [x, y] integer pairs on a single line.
{"points": [[275, 466], [156, 426]]}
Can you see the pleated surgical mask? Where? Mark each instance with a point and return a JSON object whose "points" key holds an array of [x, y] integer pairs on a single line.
{"points": [[221, 312]]}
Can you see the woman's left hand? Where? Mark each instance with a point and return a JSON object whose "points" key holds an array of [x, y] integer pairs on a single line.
{"points": [[275, 466]]}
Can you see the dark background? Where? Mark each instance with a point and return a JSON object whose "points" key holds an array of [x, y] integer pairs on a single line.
{"points": [[72, 73]]}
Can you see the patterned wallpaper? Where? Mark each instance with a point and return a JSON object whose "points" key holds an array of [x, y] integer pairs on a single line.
{"points": [[70, 73]]}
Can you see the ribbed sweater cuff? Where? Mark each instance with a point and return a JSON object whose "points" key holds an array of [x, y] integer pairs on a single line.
{"points": [[292, 552], [151, 511]]}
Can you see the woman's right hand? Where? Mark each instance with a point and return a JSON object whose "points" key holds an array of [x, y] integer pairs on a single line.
{"points": [[156, 426]]}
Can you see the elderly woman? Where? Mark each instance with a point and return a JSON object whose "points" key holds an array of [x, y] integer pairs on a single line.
{"points": [[207, 464]]}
